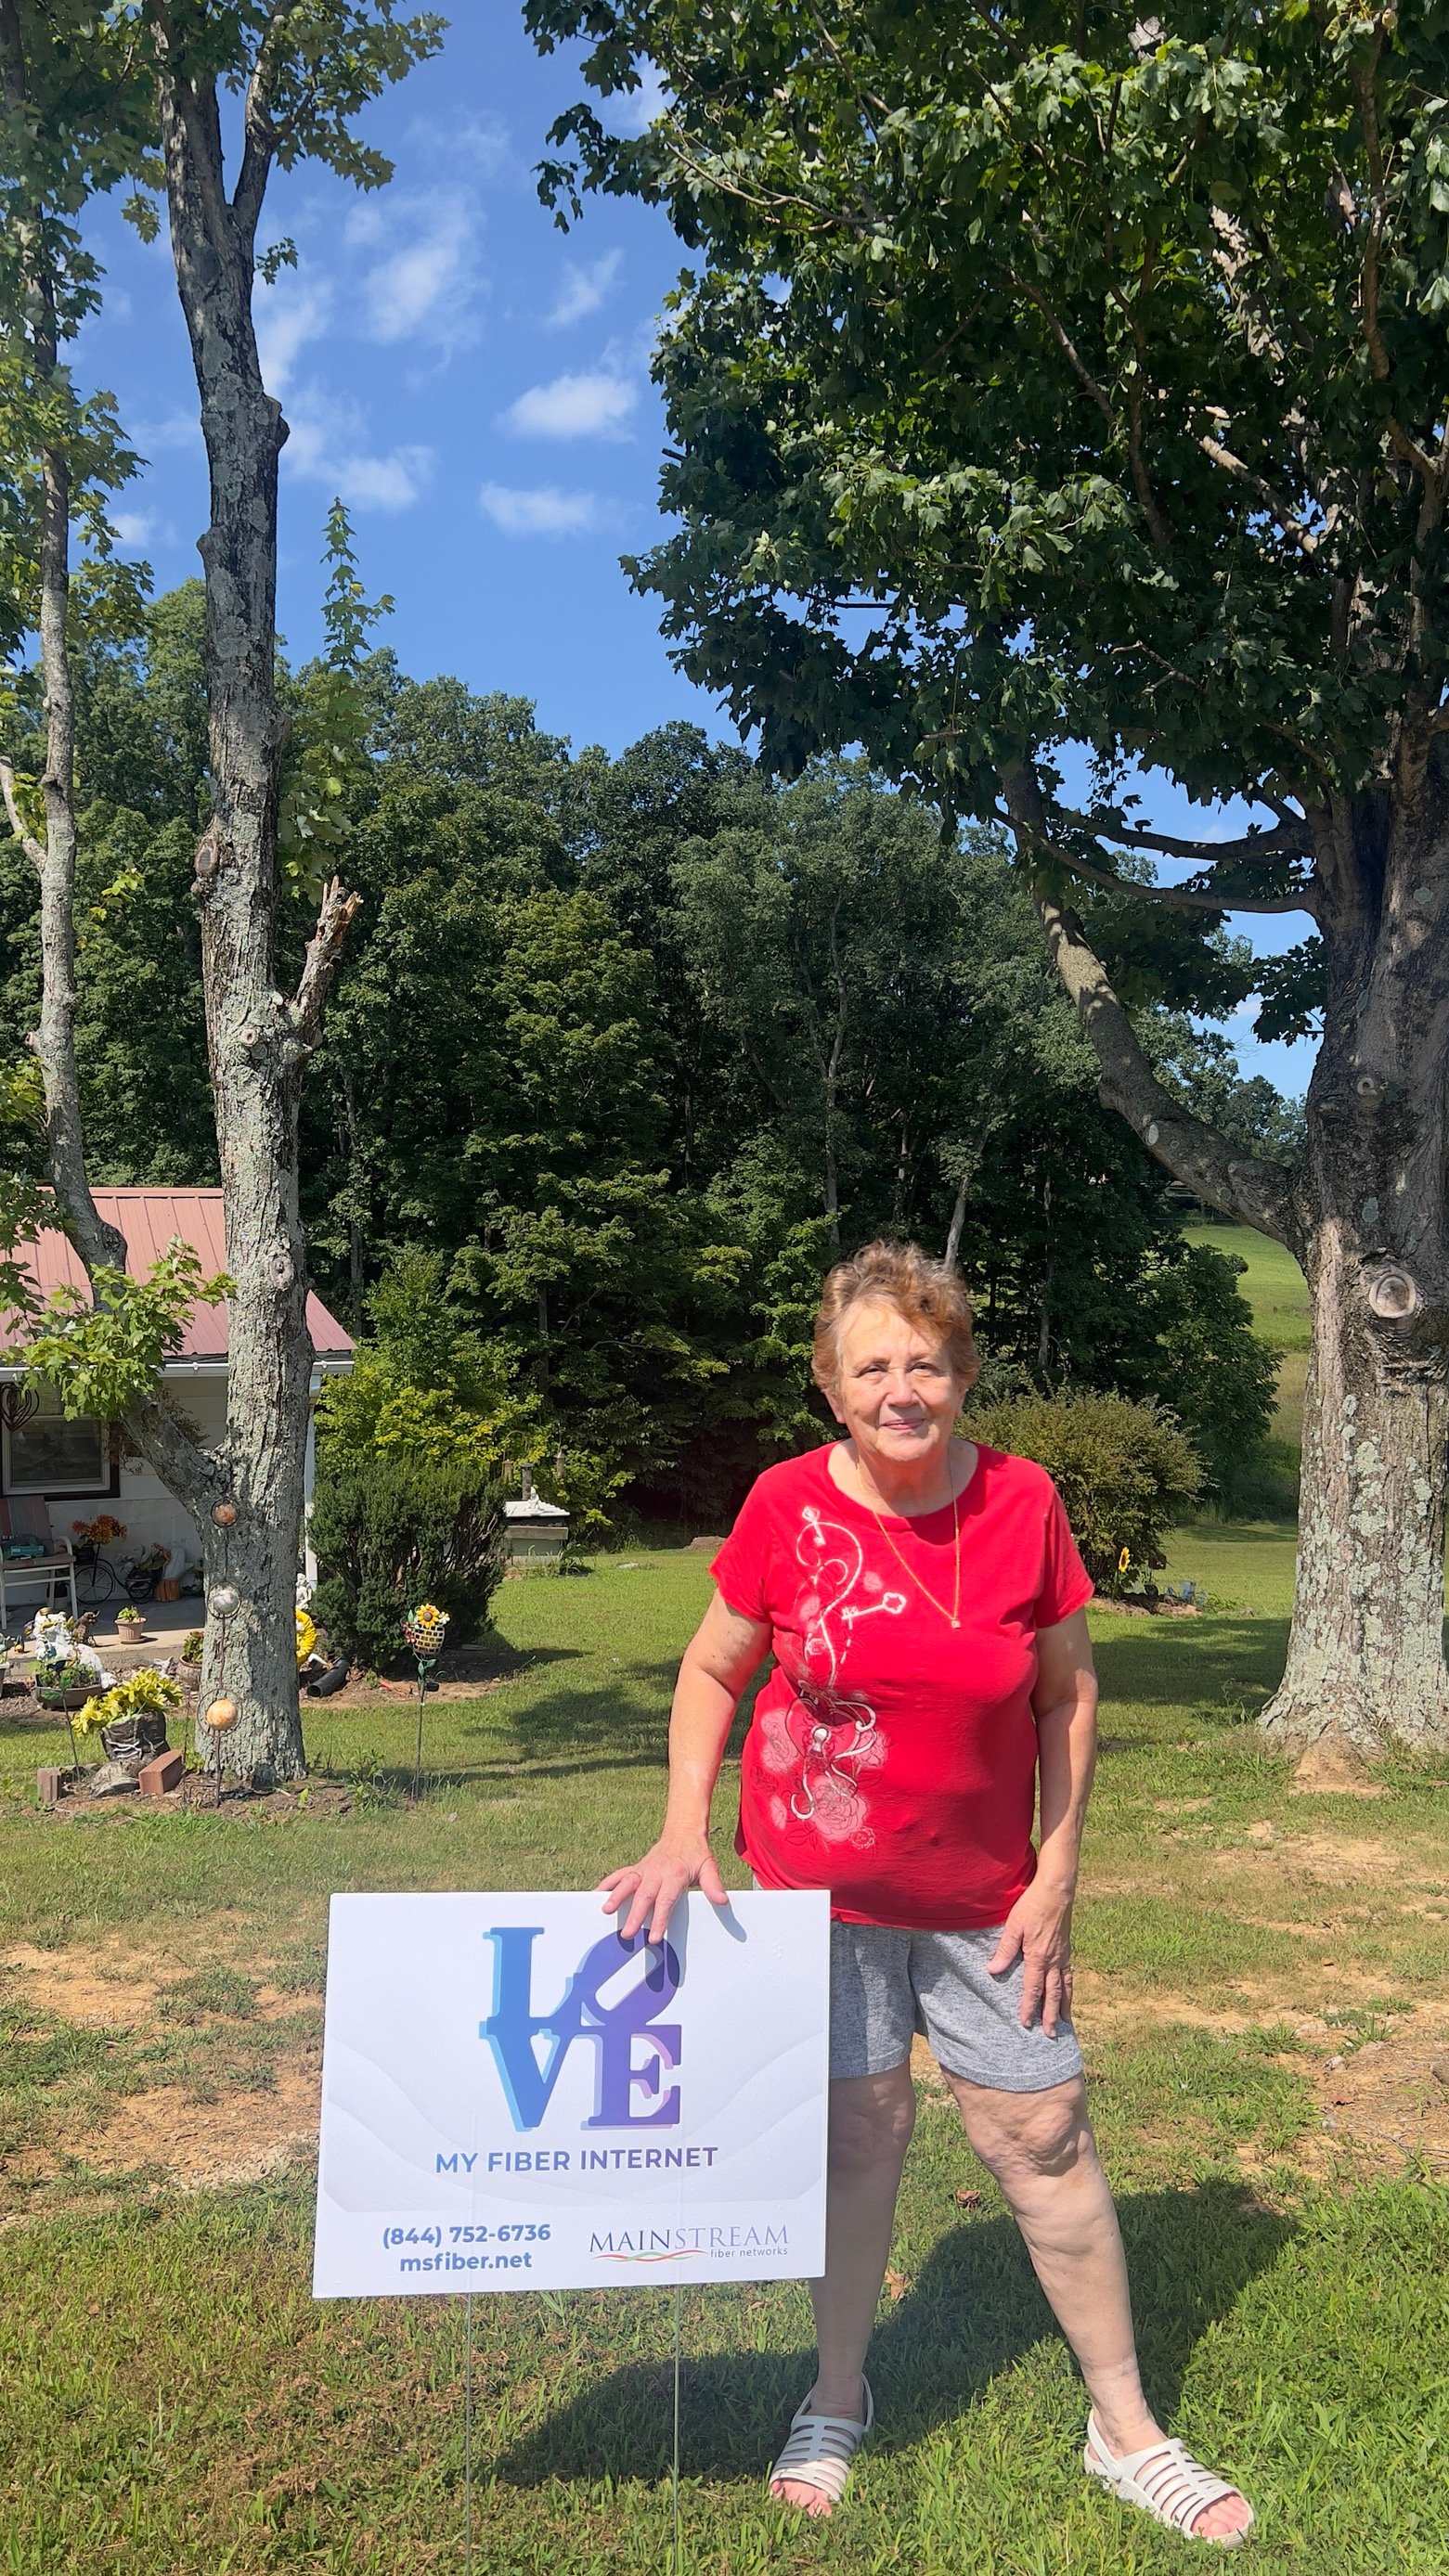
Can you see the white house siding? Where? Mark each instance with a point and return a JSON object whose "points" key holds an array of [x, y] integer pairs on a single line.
{"points": [[152, 1516]]}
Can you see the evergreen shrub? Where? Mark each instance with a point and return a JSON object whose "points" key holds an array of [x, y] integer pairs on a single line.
{"points": [[390, 1532], [1125, 1472]]}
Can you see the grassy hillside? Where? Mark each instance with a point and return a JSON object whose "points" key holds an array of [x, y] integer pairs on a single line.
{"points": [[1277, 1291]]}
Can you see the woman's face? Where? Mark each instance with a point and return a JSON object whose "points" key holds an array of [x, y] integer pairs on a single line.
{"points": [[897, 1395]]}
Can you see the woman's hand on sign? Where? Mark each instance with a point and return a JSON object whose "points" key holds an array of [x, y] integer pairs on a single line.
{"points": [[652, 1888], [1038, 1931]]}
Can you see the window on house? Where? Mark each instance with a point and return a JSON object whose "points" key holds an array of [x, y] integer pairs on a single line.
{"points": [[48, 1455]]}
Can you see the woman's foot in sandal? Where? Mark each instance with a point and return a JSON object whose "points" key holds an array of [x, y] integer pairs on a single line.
{"points": [[819, 2454], [1168, 2483]]}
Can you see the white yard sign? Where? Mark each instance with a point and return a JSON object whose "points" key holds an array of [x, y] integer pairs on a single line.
{"points": [[512, 2100]]}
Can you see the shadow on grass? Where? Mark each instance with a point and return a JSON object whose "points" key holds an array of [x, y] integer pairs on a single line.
{"points": [[1191, 1663], [974, 2310], [622, 1724]]}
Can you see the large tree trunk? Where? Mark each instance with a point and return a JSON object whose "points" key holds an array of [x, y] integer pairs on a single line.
{"points": [[159, 1437], [1366, 1650], [255, 1044]]}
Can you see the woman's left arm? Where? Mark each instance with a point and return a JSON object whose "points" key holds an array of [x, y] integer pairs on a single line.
{"points": [[1038, 1929]]}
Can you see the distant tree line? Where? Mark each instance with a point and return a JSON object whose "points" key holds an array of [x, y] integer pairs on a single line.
{"points": [[626, 1050]]}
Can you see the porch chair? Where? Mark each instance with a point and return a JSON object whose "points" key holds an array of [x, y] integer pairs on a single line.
{"points": [[27, 1516]]}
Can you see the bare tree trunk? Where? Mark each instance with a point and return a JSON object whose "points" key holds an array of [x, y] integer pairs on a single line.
{"points": [[157, 1435], [1366, 1651], [257, 1041], [958, 1219]]}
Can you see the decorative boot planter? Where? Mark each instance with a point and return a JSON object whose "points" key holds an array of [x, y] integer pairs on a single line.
{"points": [[134, 1739]]}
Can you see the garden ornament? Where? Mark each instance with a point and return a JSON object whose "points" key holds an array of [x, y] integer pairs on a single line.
{"points": [[426, 1631]]}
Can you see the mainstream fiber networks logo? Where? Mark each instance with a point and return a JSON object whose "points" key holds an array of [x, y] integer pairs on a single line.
{"points": [[617, 2031], [720, 2242]]}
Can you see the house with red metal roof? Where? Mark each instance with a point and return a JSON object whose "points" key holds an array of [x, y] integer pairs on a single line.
{"points": [[82, 1468]]}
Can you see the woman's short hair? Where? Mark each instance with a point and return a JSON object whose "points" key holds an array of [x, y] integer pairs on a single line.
{"points": [[921, 1290]]}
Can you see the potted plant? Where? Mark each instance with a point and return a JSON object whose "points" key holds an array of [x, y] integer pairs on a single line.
{"points": [[64, 1683], [131, 1715], [131, 1624], [92, 1536]]}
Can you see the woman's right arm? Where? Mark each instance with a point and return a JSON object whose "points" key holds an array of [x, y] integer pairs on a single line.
{"points": [[718, 1662]]}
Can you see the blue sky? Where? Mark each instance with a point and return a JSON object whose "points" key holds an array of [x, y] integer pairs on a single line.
{"points": [[475, 385]]}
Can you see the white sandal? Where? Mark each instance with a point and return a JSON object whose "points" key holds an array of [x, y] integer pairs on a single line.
{"points": [[820, 2449], [1167, 2482]]}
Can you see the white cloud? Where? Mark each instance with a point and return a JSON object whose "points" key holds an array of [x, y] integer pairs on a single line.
{"points": [[631, 111], [584, 289], [404, 270], [587, 406], [328, 445], [542, 512], [483, 144], [133, 527], [180, 429], [426, 288], [291, 316]]}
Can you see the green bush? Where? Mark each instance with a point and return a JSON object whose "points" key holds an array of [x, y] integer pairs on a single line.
{"points": [[390, 1532], [1124, 1471]]}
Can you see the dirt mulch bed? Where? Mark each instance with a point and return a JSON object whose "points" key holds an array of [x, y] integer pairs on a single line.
{"points": [[1387, 2104], [197, 1797]]}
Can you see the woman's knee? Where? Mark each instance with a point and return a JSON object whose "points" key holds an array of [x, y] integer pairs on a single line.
{"points": [[1034, 2136], [871, 2119]]}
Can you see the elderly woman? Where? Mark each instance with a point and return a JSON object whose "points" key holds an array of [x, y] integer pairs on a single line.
{"points": [[925, 1607]]}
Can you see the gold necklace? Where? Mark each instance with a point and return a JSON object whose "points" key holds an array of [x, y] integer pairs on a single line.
{"points": [[953, 1615]]}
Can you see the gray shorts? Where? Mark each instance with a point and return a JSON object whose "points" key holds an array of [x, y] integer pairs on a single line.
{"points": [[887, 1985]]}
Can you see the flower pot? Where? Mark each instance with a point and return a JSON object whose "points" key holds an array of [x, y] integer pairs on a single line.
{"points": [[169, 1588], [132, 1632], [134, 1738], [66, 1699]]}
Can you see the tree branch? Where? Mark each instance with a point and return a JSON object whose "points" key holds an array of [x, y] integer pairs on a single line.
{"points": [[259, 134], [1159, 525], [28, 842], [1290, 841], [1174, 898], [1066, 344], [1259, 1193], [193, 116], [1365, 83], [324, 950], [1292, 526], [187, 1470]]}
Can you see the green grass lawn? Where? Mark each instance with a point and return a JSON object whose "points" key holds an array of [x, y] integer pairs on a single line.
{"points": [[1274, 1286], [1277, 1291], [1261, 1984]]}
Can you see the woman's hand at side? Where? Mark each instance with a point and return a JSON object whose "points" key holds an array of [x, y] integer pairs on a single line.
{"points": [[652, 1888], [1038, 1931], [718, 1661]]}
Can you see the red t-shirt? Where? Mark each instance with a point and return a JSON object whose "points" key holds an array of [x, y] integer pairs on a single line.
{"points": [[892, 1758]]}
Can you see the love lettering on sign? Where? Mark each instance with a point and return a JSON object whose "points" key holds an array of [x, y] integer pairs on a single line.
{"points": [[615, 2030], [515, 2098]]}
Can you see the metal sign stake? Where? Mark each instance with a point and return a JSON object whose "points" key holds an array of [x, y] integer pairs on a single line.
{"points": [[468, 2437], [677, 2567]]}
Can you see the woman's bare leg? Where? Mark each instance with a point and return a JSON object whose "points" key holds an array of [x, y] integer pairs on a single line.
{"points": [[1041, 2150], [871, 2119]]}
